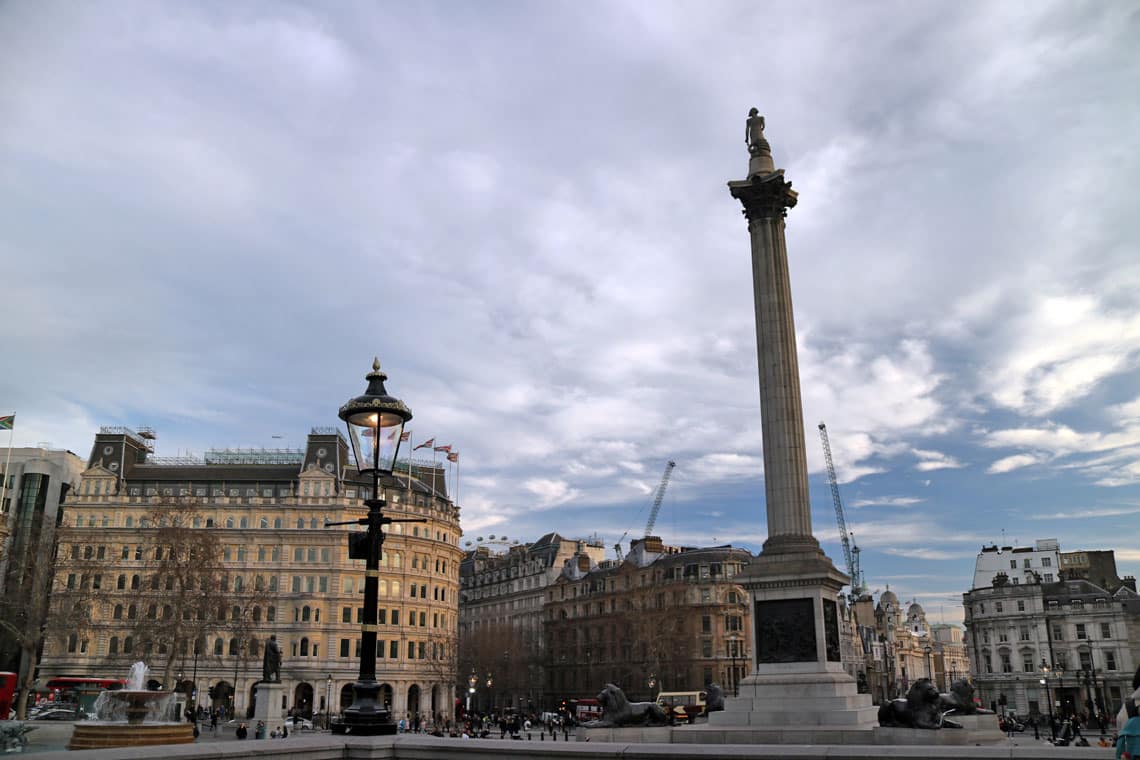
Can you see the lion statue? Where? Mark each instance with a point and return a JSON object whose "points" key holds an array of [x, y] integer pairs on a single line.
{"points": [[619, 711], [920, 709], [961, 700], [714, 698]]}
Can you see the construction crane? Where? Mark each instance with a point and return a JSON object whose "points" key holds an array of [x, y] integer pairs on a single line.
{"points": [[658, 496], [850, 551]]}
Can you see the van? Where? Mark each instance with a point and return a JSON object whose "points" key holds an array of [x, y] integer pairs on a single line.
{"points": [[682, 703]]}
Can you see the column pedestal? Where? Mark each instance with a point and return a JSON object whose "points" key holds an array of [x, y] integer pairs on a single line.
{"points": [[267, 705]]}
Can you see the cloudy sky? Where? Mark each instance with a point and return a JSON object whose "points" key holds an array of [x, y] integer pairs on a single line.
{"points": [[213, 215]]}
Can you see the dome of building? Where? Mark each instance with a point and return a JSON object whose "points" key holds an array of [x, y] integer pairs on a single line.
{"points": [[915, 609], [888, 597]]}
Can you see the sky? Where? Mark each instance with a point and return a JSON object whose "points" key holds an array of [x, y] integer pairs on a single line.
{"points": [[213, 215]]}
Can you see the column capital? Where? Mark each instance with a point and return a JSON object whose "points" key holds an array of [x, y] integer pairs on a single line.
{"points": [[764, 196]]}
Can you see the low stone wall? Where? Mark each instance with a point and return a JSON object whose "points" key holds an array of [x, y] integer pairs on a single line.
{"points": [[414, 747]]}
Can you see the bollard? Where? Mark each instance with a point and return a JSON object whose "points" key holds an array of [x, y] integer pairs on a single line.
{"points": [[528, 736]]}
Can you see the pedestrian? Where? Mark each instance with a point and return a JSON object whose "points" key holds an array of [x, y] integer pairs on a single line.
{"points": [[285, 731], [214, 721]]}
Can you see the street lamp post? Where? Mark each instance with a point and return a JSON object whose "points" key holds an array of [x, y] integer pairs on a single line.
{"points": [[926, 650], [1089, 674], [1048, 699], [328, 702], [490, 694], [472, 680], [375, 423]]}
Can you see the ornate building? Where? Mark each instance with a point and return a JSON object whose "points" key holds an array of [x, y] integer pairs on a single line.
{"points": [[664, 619], [502, 591], [1068, 646], [37, 485], [190, 564]]}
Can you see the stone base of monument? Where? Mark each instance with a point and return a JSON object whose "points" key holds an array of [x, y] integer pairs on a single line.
{"points": [[980, 730], [100, 735], [798, 701], [267, 704], [945, 737], [631, 734]]}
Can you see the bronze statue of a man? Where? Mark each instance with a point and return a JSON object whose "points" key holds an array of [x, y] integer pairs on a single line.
{"points": [[271, 664], [754, 133]]}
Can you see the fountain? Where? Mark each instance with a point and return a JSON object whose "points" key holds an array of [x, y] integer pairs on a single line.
{"points": [[132, 716]]}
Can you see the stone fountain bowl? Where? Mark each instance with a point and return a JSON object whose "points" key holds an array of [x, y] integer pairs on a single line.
{"points": [[129, 718]]}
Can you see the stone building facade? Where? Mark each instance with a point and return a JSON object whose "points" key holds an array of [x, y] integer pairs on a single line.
{"points": [[502, 592], [280, 572], [37, 485], [664, 619], [1068, 647]]}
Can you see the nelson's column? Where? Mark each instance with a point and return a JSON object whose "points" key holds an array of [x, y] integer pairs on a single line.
{"points": [[797, 680]]}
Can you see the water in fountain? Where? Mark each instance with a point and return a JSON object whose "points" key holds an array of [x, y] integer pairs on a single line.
{"points": [[134, 703]]}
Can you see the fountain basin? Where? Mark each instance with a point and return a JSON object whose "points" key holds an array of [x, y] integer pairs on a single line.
{"points": [[97, 734]]}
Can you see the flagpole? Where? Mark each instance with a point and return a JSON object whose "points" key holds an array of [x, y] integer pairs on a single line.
{"points": [[7, 463], [410, 450]]}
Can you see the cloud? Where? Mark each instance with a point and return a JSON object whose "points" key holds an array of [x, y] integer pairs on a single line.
{"points": [[925, 553], [888, 501], [1086, 513], [1011, 463], [935, 460]]}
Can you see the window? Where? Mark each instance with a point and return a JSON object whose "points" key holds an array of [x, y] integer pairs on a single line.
{"points": [[1013, 564], [1006, 665], [706, 624], [126, 552], [381, 617], [1023, 633], [393, 649], [1047, 577], [999, 607], [1105, 631], [271, 614], [298, 554], [118, 614], [1081, 631], [113, 648], [1020, 606], [1057, 632], [121, 583], [395, 617], [706, 648], [344, 647], [1046, 562], [346, 615], [1110, 660], [1026, 564], [1027, 662], [304, 647]]}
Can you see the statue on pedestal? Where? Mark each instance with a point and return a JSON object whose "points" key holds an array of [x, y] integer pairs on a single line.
{"points": [[754, 135], [271, 664]]}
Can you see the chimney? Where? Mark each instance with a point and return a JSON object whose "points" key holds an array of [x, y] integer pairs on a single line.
{"points": [[584, 563], [1130, 582]]}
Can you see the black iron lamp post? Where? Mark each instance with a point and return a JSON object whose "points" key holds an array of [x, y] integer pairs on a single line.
{"points": [[375, 424], [926, 650], [328, 702], [1092, 688], [472, 681], [1048, 698]]}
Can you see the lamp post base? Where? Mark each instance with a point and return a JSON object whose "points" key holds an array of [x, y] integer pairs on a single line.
{"points": [[366, 716]]}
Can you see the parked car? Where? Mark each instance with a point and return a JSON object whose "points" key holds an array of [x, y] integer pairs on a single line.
{"points": [[297, 723], [57, 714]]}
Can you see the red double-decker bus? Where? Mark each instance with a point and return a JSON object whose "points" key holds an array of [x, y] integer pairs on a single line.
{"points": [[81, 691], [7, 693]]}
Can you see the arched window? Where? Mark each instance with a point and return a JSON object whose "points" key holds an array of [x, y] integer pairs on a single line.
{"points": [[395, 588], [229, 522], [151, 612], [113, 647], [244, 522], [253, 646], [128, 645], [219, 646], [167, 612], [257, 614], [304, 646], [259, 583], [270, 614], [233, 646], [130, 524], [397, 559], [273, 583], [121, 584], [73, 642], [317, 615], [235, 613], [300, 523], [132, 612], [239, 584], [118, 612], [313, 524], [306, 614], [277, 523], [170, 583], [89, 552], [155, 583], [221, 614], [134, 583], [383, 589], [263, 523]]}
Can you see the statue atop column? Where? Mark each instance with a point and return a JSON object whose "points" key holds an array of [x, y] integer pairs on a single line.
{"points": [[271, 664], [758, 147]]}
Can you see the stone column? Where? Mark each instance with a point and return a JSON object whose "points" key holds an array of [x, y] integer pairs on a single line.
{"points": [[797, 679]]}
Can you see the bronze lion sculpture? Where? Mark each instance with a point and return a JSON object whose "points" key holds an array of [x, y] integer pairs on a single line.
{"points": [[619, 711], [961, 699], [920, 709], [714, 698]]}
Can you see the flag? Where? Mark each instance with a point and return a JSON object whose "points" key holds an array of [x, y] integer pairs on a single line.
{"points": [[406, 435], [425, 444], [443, 448], [8, 423], [453, 456]]}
